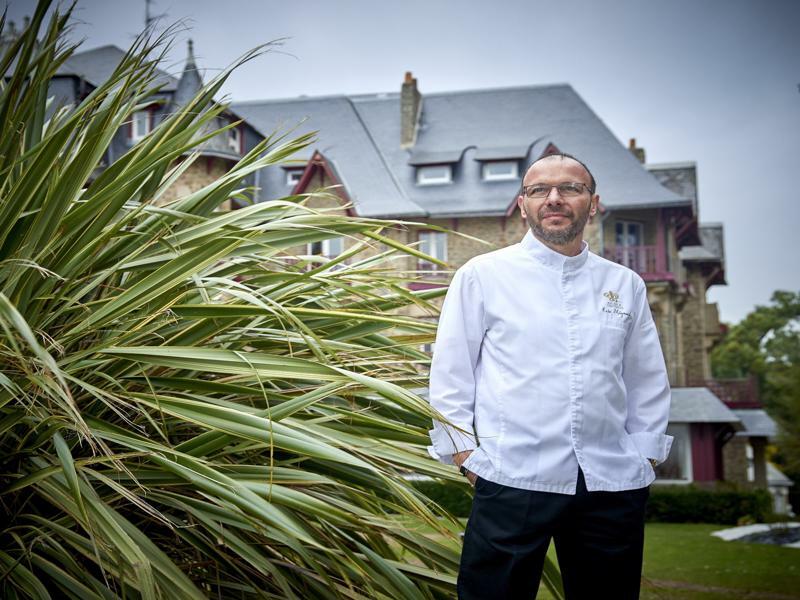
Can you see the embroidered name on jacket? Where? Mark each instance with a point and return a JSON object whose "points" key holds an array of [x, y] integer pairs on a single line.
{"points": [[614, 307]]}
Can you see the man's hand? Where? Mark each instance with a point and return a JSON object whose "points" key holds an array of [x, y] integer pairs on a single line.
{"points": [[459, 458]]}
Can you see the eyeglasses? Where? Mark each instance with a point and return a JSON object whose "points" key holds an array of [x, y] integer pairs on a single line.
{"points": [[565, 190]]}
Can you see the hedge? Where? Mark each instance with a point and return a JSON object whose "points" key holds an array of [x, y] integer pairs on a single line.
{"points": [[667, 504], [455, 497], [689, 504]]}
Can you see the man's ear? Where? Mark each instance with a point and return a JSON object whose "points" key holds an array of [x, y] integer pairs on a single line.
{"points": [[595, 203], [521, 204]]}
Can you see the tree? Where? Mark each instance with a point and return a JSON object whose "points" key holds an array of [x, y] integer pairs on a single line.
{"points": [[766, 344], [187, 411]]}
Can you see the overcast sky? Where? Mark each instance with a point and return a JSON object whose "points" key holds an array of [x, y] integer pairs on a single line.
{"points": [[712, 81]]}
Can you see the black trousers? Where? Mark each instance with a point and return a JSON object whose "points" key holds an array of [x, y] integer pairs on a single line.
{"points": [[598, 537]]}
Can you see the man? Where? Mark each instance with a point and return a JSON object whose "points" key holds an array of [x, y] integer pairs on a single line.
{"points": [[549, 375]]}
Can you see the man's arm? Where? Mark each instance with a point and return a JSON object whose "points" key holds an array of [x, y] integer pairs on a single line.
{"points": [[452, 376], [645, 375]]}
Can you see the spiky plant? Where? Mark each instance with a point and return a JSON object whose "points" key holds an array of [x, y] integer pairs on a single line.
{"points": [[185, 410]]}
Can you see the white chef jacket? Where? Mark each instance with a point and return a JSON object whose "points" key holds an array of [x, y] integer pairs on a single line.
{"points": [[544, 363]]}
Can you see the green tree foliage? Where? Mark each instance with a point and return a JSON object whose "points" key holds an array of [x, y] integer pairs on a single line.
{"points": [[186, 410], [766, 344]]}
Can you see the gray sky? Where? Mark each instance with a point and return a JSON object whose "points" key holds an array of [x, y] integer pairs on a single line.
{"points": [[714, 81]]}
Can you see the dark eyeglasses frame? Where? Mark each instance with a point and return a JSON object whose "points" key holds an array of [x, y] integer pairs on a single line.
{"points": [[526, 189]]}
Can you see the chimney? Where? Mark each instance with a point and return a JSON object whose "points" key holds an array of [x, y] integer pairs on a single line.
{"points": [[637, 152], [410, 108]]}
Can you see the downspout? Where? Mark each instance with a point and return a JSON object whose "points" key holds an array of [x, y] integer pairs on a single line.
{"points": [[257, 191], [603, 216]]}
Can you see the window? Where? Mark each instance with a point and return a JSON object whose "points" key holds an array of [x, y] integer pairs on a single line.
{"points": [[629, 234], [293, 176], [678, 466], [500, 170], [630, 251], [235, 139], [432, 243], [141, 124], [434, 174], [330, 248]]}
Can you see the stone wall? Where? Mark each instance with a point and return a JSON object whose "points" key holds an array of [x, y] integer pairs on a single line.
{"points": [[734, 461], [693, 331], [203, 171]]}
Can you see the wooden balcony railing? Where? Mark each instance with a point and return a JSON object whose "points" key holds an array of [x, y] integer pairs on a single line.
{"points": [[645, 260]]}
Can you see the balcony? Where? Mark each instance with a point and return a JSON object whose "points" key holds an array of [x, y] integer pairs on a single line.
{"points": [[647, 261], [735, 393]]}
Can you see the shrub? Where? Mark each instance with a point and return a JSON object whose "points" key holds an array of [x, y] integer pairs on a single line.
{"points": [[455, 498], [689, 504]]}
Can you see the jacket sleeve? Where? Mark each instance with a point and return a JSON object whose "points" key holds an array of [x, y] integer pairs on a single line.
{"points": [[455, 357], [645, 375]]}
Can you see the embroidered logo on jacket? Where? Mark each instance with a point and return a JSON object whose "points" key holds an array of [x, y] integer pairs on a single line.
{"points": [[614, 306]]}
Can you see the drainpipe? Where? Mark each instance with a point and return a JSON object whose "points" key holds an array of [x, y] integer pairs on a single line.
{"points": [[603, 216]]}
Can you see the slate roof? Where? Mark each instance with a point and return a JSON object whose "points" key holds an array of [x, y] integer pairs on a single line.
{"points": [[776, 477], [343, 141], [680, 177], [98, 64], [757, 423], [361, 135], [700, 405], [712, 248]]}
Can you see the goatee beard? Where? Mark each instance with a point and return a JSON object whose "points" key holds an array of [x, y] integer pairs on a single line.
{"points": [[558, 237]]}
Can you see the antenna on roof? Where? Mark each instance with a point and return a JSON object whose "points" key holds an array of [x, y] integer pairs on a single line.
{"points": [[149, 18]]}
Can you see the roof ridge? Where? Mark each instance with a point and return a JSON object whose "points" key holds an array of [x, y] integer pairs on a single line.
{"points": [[103, 47], [387, 95], [289, 99]]}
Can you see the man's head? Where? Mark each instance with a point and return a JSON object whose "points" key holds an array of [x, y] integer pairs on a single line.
{"points": [[557, 213]]}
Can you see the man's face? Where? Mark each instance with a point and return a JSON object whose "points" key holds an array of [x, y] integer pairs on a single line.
{"points": [[555, 219]]}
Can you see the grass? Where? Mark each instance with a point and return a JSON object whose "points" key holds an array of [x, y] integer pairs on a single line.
{"points": [[683, 561]]}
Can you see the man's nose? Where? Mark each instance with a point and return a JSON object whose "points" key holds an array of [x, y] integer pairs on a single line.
{"points": [[553, 195]]}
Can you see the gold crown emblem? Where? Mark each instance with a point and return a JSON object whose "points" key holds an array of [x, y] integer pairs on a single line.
{"points": [[613, 296]]}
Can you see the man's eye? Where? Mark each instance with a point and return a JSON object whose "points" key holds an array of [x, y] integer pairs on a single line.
{"points": [[570, 188], [539, 190]]}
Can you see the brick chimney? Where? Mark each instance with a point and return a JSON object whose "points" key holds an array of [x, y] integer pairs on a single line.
{"points": [[410, 109], [637, 152]]}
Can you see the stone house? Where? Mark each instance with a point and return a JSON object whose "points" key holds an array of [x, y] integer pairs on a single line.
{"points": [[454, 161], [85, 71], [451, 163]]}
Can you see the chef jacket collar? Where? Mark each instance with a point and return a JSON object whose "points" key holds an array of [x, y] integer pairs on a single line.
{"points": [[552, 259]]}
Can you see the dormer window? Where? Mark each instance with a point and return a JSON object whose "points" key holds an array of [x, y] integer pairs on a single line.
{"points": [[141, 124], [434, 174], [293, 176], [235, 139], [500, 170]]}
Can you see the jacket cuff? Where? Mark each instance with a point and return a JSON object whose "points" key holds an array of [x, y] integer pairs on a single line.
{"points": [[652, 445], [448, 441]]}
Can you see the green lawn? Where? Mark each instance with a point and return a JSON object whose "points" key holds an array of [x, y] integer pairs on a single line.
{"points": [[685, 562]]}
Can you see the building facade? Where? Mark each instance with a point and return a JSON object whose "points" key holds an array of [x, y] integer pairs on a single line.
{"points": [[450, 165]]}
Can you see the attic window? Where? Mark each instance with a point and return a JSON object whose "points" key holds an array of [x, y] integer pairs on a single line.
{"points": [[141, 124], [500, 170], [235, 139], [434, 174], [293, 176]]}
